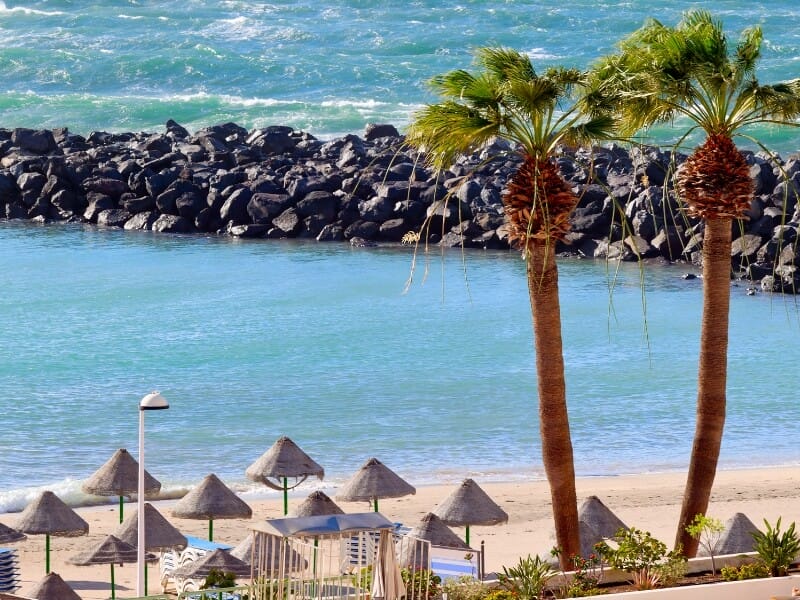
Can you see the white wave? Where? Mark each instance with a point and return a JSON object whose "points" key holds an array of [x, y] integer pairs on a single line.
{"points": [[28, 11], [131, 17], [352, 103], [541, 54]]}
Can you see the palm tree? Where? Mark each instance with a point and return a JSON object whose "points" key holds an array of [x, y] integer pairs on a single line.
{"points": [[688, 74], [507, 99]]}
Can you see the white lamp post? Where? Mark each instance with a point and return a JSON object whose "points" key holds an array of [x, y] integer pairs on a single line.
{"points": [[153, 401]]}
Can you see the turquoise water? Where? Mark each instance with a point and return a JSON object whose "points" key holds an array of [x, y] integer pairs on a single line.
{"points": [[324, 67], [251, 340]]}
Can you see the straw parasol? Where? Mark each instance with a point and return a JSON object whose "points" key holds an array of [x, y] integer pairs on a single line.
{"points": [[470, 505], [52, 587], [119, 476], [158, 533], [220, 560], [433, 530], [317, 503], [372, 481], [49, 515], [211, 500], [247, 552], [284, 459], [8, 535], [736, 537], [111, 550], [596, 522]]}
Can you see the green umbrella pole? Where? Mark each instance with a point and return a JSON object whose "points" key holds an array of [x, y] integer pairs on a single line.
{"points": [[47, 553], [145, 575], [467, 535], [211, 530], [120, 509], [113, 590], [376, 505], [285, 496]]}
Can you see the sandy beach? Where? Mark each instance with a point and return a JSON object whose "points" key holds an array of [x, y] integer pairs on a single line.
{"points": [[650, 502]]}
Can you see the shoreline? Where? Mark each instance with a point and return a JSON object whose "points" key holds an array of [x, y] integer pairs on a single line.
{"points": [[650, 502]]}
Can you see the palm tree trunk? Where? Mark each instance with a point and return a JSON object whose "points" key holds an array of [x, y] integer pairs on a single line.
{"points": [[553, 418], [711, 378]]}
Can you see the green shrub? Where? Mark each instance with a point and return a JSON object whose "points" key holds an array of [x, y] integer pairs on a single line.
{"points": [[753, 570], [218, 579], [464, 588], [644, 557], [528, 579], [425, 583], [500, 595], [777, 550]]}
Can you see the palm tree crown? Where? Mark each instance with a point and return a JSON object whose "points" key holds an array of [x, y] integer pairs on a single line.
{"points": [[662, 73], [508, 99]]}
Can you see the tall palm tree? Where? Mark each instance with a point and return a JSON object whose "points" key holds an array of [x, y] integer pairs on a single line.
{"points": [[508, 99], [689, 74]]}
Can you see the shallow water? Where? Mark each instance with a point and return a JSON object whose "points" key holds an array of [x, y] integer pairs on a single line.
{"points": [[251, 340]]}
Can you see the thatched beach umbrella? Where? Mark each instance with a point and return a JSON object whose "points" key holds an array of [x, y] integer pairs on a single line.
{"points": [[109, 551], [317, 503], [372, 481], [211, 500], [49, 515], [736, 537], [52, 587], [9, 535], [119, 476], [596, 522], [433, 530], [283, 460], [248, 552], [470, 505], [159, 534], [220, 560]]}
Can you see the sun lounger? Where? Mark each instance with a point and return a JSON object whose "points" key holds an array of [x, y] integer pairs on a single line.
{"points": [[9, 570]]}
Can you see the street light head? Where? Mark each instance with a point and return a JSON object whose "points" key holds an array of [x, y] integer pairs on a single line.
{"points": [[153, 401]]}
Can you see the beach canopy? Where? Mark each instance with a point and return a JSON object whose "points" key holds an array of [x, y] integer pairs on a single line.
{"points": [[432, 529], [599, 517], [159, 534], [52, 587], [324, 525], [247, 551], [220, 560], [119, 476], [109, 551], [211, 500], [373, 481], [470, 505], [284, 459], [317, 503], [736, 537], [8, 535], [48, 515]]}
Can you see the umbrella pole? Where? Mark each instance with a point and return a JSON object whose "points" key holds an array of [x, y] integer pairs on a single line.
{"points": [[376, 505], [211, 530], [467, 535], [47, 553], [285, 496], [113, 590], [120, 509], [145, 578]]}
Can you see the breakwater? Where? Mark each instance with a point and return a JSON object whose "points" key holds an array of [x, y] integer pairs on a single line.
{"points": [[276, 182]]}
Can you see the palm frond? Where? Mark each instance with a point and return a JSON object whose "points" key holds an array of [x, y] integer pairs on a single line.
{"points": [[447, 130], [505, 63], [748, 51]]}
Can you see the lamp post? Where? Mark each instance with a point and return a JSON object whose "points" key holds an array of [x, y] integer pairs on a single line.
{"points": [[152, 401]]}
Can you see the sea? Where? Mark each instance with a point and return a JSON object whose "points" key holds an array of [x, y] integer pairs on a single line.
{"points": [[422, 359]]}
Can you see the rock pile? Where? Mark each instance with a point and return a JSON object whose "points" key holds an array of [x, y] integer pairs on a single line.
{"points": [[276, 182]]}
